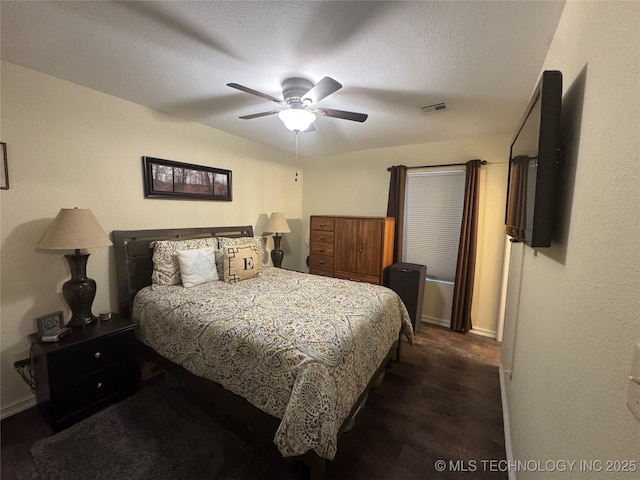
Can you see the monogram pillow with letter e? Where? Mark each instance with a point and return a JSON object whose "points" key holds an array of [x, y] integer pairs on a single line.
{"points": [[241, 261], [225, 241]]}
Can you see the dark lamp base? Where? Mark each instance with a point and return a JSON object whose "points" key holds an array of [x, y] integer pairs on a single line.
{"points": [[79, 292], [277, 254]]}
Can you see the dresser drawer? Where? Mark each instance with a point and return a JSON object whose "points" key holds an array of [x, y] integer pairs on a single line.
{"points": [[323, 223], [321, 261], [92, 389], [322, 249], [358, 277], [321, 236], [70, 364], [325, 272]]}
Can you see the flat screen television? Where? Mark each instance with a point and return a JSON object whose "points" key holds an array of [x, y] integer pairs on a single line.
{"points": [[534, 166]]}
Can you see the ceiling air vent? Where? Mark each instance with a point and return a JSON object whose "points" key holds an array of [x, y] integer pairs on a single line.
{"points": [[433, 108]]}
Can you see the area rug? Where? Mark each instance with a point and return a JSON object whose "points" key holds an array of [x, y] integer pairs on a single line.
{"points": [[156, 435]]}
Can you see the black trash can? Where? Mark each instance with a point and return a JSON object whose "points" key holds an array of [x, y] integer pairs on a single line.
{"points": [[407, 280]]}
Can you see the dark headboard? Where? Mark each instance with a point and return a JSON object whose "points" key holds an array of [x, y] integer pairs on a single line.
{"points": [[134, 263]]}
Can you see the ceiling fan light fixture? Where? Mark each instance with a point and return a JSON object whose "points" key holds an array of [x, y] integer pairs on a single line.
{"points": [[297, 119]]}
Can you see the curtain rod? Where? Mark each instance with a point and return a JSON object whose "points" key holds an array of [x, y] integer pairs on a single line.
{"points": [[482, 162]]}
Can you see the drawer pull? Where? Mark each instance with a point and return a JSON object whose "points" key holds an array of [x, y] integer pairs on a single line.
{"points": [[322, 238], [322, 250], [99, 386], [97, 355], [323, 224], [321, 262]]}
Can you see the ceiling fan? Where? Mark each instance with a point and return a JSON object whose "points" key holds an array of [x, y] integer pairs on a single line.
{"points": [[298, 111]]}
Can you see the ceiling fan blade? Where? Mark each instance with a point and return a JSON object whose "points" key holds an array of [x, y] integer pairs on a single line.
{"points": [[258, 115], [310, 129], [320, 90], [329, 112], [242, 88]]}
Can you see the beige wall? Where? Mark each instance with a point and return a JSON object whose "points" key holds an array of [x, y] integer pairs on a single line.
{"points": [[70, 146], [578, 311], [357, 183]]}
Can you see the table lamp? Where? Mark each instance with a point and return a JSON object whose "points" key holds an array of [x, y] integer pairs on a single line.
{"points": [[277, 224], [75, 229]]}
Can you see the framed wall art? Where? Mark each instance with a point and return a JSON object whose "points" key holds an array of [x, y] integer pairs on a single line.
{"points": [[169, 179], [4, 168]]}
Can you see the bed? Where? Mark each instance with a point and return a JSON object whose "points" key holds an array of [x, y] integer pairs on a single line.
{"points": [[294, 355]]}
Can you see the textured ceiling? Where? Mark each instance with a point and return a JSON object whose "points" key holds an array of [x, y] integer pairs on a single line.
{"points": [[482, 58]]}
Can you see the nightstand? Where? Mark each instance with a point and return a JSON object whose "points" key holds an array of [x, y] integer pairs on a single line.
{"points": [[89, 369]]}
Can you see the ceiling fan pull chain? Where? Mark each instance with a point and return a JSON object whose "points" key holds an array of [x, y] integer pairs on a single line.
{"points": [[296, 179]]}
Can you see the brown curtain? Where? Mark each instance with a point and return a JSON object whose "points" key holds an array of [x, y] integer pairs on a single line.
{"points": [[395, 206], [465, 270], [517, 201]]}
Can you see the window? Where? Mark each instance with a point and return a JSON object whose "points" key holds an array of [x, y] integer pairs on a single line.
{"points": [[433, 216]]}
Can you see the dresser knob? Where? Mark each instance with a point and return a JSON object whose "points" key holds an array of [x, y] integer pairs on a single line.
{"points": [[97, 355], [322, 238], [99, 386]]}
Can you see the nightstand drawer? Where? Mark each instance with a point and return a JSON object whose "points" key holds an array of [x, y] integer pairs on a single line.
{"points": [[70, 364], [92, 389]]}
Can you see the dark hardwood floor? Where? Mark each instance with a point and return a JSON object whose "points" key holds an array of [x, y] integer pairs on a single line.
{"points": [[441, 402]]}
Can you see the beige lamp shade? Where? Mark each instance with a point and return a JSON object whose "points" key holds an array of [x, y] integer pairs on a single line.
{"points": [[73, 229], [277, 224]]}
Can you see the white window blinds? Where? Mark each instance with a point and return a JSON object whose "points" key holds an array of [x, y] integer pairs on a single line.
{"points": [[433, 215]]}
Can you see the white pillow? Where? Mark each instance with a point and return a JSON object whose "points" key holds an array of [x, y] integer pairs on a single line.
{"points": [[166, 270], [197, 266]]}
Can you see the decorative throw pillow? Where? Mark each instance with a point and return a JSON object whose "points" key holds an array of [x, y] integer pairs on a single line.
{"points": [[166, 270], [223, 241], [241, 262], [197, 266]]}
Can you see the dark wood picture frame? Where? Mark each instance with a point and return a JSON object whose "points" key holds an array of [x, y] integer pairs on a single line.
{"points": [[169, 179], [4, 168]]}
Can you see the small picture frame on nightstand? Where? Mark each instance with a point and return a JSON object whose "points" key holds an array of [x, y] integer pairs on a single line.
{"points": [[50, 324]]}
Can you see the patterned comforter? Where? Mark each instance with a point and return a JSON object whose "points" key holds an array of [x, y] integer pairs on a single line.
{"points": [[299, 347]]}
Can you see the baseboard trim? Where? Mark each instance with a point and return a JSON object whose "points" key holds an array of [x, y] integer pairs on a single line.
{"points": [[442, 322], [436, 321], [506, 421], [18, 406], [483, 332]]}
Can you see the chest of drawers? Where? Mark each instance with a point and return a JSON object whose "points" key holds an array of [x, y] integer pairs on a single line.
{"points": [[321, 246], [353, 248]]}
